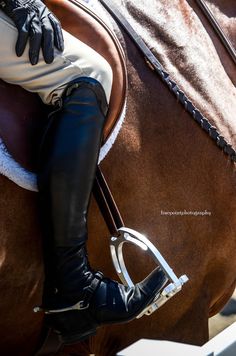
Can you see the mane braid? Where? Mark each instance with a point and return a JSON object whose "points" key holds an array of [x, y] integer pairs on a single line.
{"points": [[196, 114]]}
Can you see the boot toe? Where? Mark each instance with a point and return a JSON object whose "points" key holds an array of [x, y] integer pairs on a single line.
{"points": [[116, 303], [111, 303]]}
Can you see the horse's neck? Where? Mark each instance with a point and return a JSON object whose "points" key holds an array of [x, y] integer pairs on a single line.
{"points": [[226, 7], [190, 51], [225, 13]]}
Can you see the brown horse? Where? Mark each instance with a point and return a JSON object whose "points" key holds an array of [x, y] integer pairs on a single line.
{"points": [[161, 162]]}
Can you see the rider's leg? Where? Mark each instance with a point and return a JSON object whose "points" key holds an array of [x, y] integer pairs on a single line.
{"points": [[67, 166], [49, 80], [67, 169]]}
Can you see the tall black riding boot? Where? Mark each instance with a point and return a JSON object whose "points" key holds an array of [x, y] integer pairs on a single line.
{"points": [[81, 299]]}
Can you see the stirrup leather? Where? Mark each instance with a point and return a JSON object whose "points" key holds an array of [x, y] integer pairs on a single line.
{"points": [[131, 236]]}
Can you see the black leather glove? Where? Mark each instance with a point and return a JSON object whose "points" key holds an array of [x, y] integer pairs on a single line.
{"points": [[34, 21]]}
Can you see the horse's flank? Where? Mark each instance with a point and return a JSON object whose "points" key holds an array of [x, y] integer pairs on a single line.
{"points": [[161, 163]]}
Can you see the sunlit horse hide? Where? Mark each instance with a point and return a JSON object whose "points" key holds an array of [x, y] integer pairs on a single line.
{"points": [[162, 162], [22, 115]]}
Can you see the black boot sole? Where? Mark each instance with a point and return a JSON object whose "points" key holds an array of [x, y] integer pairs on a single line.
{"points": [[72, 326], [75, 338]]}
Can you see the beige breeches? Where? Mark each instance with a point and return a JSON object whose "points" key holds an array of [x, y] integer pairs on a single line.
{"points": [[49, 80]]}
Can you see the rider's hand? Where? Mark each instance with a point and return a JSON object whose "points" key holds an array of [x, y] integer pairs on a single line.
{"points": [[34, 21]]}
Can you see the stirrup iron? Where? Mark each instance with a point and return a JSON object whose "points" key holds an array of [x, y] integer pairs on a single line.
{"points": [[131, 236]]}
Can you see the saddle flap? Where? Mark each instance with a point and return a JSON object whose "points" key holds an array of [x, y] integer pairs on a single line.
{"points": [[22, 120]]}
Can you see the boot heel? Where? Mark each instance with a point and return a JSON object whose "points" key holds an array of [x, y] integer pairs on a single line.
{"points": [[75, 338], [72, 326]]}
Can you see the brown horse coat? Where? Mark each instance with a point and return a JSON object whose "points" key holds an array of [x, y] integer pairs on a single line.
{"points": [[162, 161]]}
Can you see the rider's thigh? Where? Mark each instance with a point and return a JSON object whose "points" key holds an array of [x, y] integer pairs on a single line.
{"points": [[50, 80]]}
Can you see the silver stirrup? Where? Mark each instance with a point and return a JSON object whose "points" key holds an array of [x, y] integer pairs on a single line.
{"points": [[134, 237]]}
